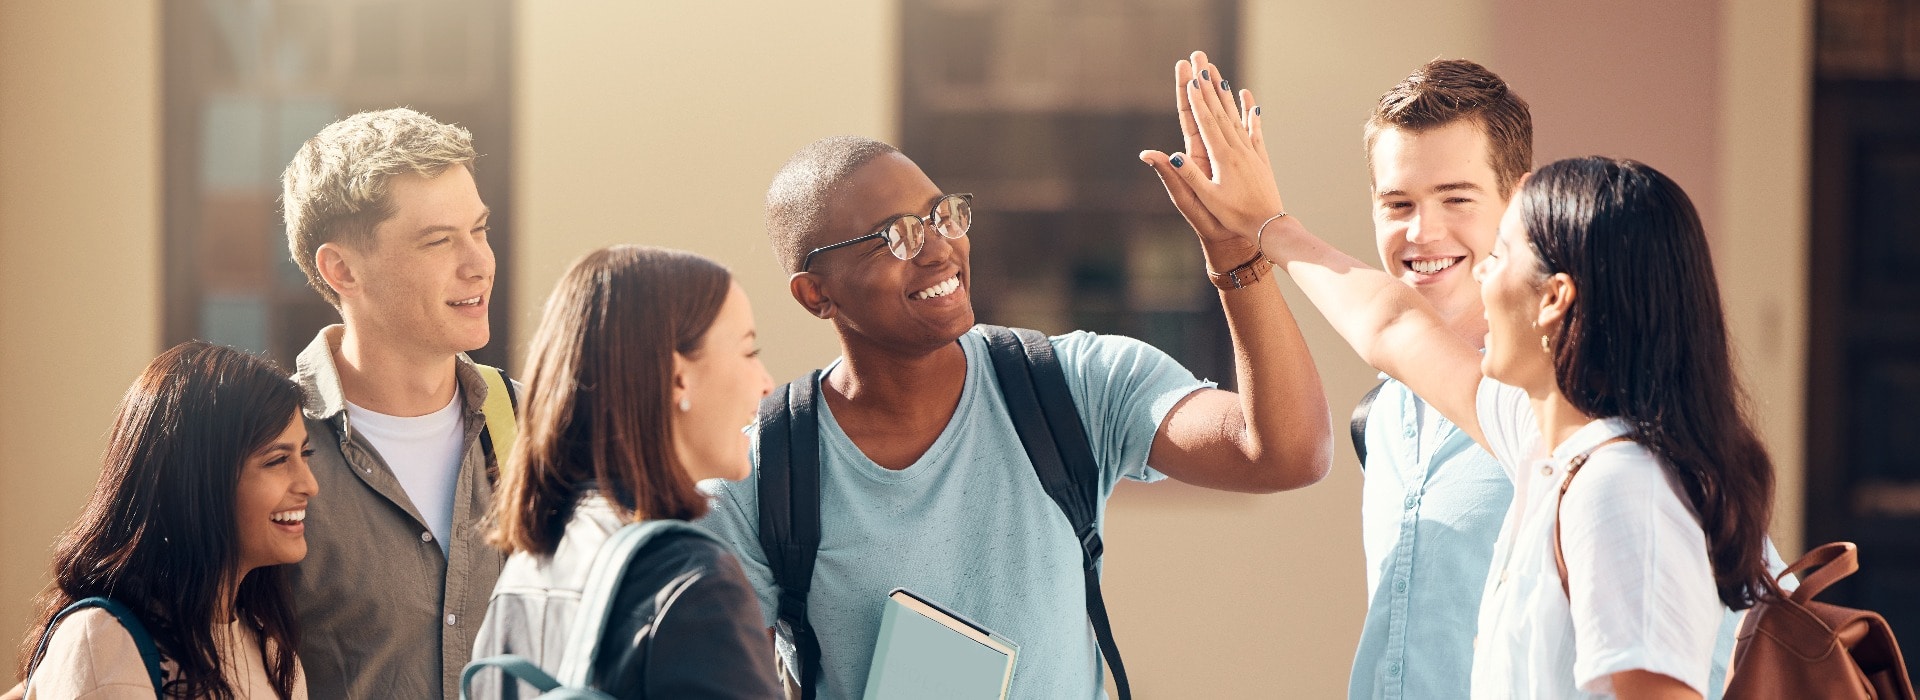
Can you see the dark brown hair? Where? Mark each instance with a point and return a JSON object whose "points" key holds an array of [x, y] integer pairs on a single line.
{"points": [[158, 534], [1445, 91], [599, 393], [1646, 341]]}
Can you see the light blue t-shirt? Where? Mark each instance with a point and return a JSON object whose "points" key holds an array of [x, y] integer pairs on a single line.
{"points": [[967, 525]]}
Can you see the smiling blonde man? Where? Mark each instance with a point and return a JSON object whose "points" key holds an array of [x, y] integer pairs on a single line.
{"points": [[384, 219]]}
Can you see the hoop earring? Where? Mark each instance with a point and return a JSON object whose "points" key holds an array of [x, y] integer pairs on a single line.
{"points": [[686, 404]]}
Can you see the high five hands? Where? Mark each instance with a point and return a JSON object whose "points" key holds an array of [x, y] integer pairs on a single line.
{"points": [[1223, 182]]}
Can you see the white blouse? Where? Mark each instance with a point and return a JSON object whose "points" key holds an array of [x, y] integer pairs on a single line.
{"points": [[1643, 593]]}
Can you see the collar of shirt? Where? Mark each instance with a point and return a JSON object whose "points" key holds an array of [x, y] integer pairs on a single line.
{"points": [[315, 371]]}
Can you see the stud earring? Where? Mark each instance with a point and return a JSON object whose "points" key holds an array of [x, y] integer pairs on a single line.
{"points": [[686, 404]]}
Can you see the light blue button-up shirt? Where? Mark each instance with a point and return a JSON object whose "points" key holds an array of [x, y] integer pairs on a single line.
{"points": [[1431, 508]]}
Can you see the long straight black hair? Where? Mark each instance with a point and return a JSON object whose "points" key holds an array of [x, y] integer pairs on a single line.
{"points": [[158, 532], [1646, 341]]}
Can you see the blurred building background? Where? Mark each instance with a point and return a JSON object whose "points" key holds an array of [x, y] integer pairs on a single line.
{"points": [[141, 142]]}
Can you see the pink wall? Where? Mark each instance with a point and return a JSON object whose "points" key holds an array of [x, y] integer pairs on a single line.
{"points": [[1629, 78]]}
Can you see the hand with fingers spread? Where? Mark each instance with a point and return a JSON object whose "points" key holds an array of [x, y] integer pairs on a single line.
{"points": [[1223, 182]]}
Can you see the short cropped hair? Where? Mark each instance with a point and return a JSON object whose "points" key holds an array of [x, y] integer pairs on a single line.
{"points": [[1445, 91], [336, 188], [801, 192]]}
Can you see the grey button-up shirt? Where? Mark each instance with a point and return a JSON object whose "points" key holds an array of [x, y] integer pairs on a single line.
{"points": [[383, 613]]}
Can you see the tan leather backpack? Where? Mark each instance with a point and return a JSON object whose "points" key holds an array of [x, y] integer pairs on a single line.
{"points": [[1796, 647]]}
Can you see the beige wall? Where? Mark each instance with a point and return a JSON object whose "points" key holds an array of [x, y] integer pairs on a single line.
{"points": [[79, 262], [662, 123], [1764, 138]]}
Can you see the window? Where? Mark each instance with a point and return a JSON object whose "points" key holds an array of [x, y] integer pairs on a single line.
{"points": [[1039, 108], [247, 82]]}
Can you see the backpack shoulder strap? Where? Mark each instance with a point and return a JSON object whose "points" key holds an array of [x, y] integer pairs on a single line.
{"points": [[609, 566], [789, 490], [149, 654], [1573, 468], [1041, 406], [496, 439], [1357, 425]]}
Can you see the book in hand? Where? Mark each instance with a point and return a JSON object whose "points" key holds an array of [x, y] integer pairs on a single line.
{"points": [[926, 652]]}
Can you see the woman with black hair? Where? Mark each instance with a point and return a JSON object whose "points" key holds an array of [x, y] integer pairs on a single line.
{"points": [[201, 497], [1606, 359]]}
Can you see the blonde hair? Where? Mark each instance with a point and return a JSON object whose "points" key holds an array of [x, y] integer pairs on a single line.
{"points": [[337, 185]]}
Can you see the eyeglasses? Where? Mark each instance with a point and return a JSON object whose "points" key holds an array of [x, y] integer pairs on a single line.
{"points": [[906, 234]]}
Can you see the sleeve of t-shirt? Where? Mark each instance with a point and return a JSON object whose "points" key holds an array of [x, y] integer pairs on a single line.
{"points": [[1506, 421], [733, 515], [91, 657], [1642, 589], [710, 647], [1124, 389]]}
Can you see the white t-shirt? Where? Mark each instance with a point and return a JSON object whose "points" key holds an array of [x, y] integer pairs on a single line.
{"points": [[424, 453], [1643, 593]]}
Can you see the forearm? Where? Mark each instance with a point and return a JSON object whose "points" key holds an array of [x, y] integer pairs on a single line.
{"points": [[1285, 430], [1373, 312], [1388, 324]]}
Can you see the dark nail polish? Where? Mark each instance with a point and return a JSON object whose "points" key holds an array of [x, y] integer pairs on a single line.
{"points": [[1193, 84], [1177, 160], [1256, 110], [1223, 86], [1204, 76]]}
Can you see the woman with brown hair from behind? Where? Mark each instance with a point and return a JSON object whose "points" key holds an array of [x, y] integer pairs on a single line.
{"points": [[641, 376]]}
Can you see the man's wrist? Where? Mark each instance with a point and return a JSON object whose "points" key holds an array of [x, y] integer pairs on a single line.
{"points": [[1222, 256]]}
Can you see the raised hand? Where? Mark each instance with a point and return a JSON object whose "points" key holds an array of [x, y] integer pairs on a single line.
{"points": [[1223, 183]]}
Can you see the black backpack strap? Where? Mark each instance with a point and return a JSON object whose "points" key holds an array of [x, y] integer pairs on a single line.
{"points": [[790, 511], [1044, 416], [1357, 425], [142, 641]]}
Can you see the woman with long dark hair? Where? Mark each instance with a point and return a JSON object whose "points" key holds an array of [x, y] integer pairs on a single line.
{"points": [[641, 377], [1606, 360], [201, 497]]}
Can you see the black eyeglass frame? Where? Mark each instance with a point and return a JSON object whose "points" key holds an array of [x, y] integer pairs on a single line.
{"points": [[931, 220]]}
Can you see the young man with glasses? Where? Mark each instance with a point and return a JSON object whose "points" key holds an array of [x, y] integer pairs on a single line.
{"points": [[924, 483]]}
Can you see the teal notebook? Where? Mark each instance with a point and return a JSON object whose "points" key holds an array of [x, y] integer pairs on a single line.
{"points": [[926, 652]]}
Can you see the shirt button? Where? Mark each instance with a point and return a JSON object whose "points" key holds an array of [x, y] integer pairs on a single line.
{"points": [[427, 537], [450, 619], [1546, 470], [1393, 669], [1409, 431], [1400, 586], [1412, 501]]}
